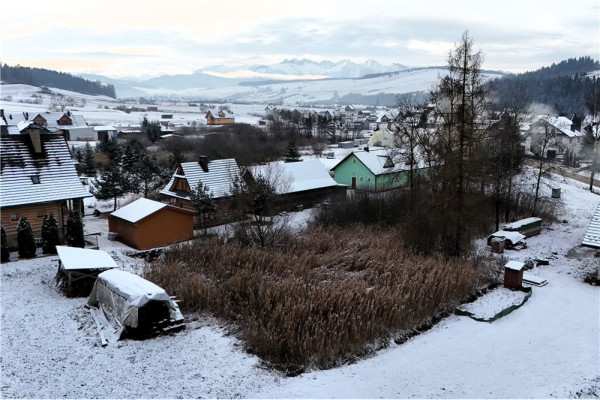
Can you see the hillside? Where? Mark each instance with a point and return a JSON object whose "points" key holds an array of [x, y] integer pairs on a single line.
{"points": [[48, 78], [561, 86]]}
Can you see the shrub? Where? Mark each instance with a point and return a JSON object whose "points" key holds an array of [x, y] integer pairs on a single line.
{"points": [[25, 239], [74, 237], [4, 245], [50, 234]]}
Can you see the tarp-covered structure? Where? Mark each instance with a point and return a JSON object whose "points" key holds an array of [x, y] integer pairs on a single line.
{"points": [[134, 306], [511, 239]]}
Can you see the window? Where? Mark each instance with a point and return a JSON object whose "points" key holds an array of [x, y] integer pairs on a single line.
{"points": [[14, 217], [40, 213], [35, 179]]}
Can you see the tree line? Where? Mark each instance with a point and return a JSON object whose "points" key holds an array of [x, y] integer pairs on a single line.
{"points": [[562, 86], [49, 78]]}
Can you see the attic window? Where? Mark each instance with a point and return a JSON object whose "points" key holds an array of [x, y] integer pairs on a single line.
{"points": [[35, 179]]}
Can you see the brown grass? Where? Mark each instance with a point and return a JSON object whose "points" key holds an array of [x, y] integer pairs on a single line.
{"points": [[323, 298]]}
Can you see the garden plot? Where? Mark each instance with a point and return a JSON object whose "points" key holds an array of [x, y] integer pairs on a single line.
{"points": [[494, 302]]}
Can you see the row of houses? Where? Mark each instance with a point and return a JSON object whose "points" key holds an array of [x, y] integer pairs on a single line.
{"points": [[71, 126]]}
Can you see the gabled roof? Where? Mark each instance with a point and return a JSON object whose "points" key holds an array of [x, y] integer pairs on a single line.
{"points": [[295, 177], [592, 235], [138, 210], [377, 161], [54, 167], [563, 124], [219, 177]]}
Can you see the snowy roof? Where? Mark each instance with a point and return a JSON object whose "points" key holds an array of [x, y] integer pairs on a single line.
{"points": [[78, 258], [104, 128], [55, 168], [513, 237], [521, 223], [139, 209], [563, 124], [592, 235], [515, 265], [219, 177], [377, 161], [134, 288], [295, 176]]}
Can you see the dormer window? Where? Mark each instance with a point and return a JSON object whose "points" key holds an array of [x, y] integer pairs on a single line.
{"points": [[35, 179]]}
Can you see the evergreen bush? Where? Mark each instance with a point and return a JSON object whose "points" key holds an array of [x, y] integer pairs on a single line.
{"points": [[50, 234], [25, 239]]}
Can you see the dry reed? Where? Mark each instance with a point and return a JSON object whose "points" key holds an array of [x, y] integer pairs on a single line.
{"points": [[325, 297]]}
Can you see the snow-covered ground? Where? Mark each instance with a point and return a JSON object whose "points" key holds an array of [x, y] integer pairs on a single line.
{"points": [[547, 348]]}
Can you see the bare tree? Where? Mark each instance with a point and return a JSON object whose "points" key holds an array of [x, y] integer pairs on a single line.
{"points": [[541, 140]]}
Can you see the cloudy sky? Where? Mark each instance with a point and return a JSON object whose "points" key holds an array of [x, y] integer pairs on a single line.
{"points": [[138, 38]]}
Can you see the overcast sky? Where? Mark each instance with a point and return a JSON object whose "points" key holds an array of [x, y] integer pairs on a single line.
{"points": [[153, 37]]}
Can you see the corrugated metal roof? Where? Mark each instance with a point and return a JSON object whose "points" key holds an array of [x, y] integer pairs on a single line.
{"points": [[592, 236], [54, 167], [219, 178]]}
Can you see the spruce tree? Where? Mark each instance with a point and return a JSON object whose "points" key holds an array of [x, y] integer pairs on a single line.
{"points": [[74, 236], [4, 245], [203, 201], [50, 234], [25, 239], [87, 161], [113, 182], [291, 153]]}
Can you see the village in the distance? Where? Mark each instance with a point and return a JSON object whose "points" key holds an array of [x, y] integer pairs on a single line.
{"points": [[303, 238]]}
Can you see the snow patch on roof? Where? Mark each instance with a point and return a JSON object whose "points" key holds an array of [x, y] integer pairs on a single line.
{"points": [[295, 176], [76, 258], [138, 210]]}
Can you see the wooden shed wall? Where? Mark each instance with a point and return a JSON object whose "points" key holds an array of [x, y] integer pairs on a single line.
{"points": [[164, 227]]}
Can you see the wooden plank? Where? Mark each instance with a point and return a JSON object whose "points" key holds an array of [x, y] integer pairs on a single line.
{"points": [[103, 339]]}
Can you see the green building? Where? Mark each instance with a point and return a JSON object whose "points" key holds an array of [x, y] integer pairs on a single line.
{"points": [[371, 170]]}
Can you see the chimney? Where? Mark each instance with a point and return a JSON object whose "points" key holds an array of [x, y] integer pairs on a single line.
{"points": [[203, 162], [36, 141], [1, 112]]}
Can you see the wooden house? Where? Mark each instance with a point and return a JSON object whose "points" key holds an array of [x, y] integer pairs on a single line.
{"points": [[217, 175], [38, 177], [145, 223], [222, 117]]}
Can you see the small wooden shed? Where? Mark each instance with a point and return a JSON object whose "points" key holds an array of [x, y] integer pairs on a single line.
{"points": [[513, 274], [145, 223]]}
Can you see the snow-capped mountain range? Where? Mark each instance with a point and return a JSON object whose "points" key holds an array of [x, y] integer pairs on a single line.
{"points": [[309, 68]]}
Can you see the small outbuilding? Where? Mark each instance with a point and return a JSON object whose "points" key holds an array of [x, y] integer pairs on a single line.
{"points": [[78, 268], [511, 239], [145, 223], [134, 306], [529, 226], [513, 274]]}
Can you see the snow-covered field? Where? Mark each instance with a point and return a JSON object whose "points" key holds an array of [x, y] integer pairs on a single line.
{"points": [[547, 348]]}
